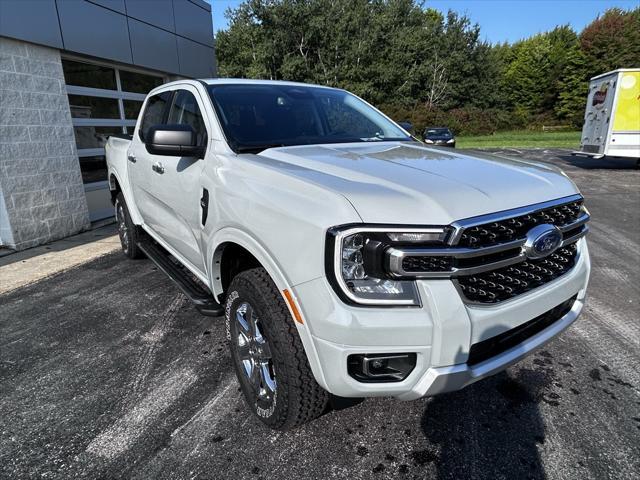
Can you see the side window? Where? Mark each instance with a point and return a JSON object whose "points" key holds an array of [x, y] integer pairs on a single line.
{"points": [[185, 111], [154, 112]]}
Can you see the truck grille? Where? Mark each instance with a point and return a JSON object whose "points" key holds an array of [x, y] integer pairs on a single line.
{"points": [[517, 227], [430, 264], [489, 258], [508, 282]]}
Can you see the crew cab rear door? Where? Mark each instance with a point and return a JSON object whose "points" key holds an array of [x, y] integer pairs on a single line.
{"points": [[173, 190], [139, 163]]}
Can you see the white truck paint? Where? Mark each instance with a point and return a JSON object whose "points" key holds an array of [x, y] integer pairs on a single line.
{"points": [[612, 115], [286, 205]]}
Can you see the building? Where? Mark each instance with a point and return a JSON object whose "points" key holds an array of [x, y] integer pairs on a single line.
{"points": [[73, 72]]}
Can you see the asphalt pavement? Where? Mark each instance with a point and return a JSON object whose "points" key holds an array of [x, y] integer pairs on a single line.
{"points": [[106, 371]]}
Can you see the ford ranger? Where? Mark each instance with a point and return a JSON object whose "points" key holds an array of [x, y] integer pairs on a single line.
{"points": [[349, 260]]}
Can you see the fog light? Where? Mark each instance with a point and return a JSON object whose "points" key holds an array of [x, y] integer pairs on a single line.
{"points": [[381, 367]]}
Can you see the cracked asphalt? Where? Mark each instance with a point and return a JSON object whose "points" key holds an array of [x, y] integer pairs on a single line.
{"points": [[106, 371]]}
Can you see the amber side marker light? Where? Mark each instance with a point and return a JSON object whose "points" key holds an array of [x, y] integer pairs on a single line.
{"points": [[292, 305]]}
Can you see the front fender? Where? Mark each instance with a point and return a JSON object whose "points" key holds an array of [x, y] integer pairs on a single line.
{"points": [[275, 271]]}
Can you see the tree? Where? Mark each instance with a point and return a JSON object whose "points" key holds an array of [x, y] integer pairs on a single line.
{"points": [[561, 41], [612, 41], [380, 49], [437, 83], [420, 63], [527, 76], [574, 87]]}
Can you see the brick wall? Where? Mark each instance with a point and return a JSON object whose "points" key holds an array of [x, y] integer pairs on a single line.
{"points": [[40, 183]]}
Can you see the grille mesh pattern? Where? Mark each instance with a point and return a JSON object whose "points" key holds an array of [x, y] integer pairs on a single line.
{"points": [[517, 227], [508, 282], [427, 264]]}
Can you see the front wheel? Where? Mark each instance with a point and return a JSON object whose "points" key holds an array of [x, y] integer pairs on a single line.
{"points": [[268, 356]]}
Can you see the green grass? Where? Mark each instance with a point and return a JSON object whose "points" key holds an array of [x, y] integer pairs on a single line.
{"points": [[522, 138]]}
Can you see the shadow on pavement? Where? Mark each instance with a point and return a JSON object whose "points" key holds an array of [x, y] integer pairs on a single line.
{"points": [[491, 429], [605, 163]]}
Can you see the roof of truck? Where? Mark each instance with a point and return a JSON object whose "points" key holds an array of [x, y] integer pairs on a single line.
{"points": [[248, 81], [615, 71]]}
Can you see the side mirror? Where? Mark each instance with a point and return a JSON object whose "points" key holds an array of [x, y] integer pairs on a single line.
{"points": [[173, 141], [408, 126]]}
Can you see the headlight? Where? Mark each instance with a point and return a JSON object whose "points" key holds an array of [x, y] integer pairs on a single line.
{"points": [[451, 140], [356, 263], [426, 140]]}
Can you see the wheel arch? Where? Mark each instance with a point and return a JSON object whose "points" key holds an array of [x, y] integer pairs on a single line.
{"points": [[116, 185], [250, 252], [232, 237]]}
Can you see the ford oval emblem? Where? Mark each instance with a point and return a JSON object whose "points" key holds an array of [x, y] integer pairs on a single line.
{"points": [[542, 241]]}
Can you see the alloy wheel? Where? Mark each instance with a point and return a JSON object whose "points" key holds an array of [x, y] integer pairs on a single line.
{"points": [[255, 354]]}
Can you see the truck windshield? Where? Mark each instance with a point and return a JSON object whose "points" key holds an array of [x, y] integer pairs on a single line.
{"points": [[255, 117]]}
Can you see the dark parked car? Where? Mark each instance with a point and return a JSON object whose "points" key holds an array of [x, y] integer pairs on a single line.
{"points": [[439, 136]]}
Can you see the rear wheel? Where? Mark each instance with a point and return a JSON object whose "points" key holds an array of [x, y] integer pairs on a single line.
{"points": [[267, 354], [127, 230]]}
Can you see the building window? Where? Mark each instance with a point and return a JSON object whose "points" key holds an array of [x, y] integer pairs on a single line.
{"points": [[83, 106], [131, 109], [94, 169], [138, 82], [89, 75], [104, 100]]}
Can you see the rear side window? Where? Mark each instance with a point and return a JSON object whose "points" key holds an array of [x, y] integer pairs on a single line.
{"points": [[154, 112], [185, 111]]}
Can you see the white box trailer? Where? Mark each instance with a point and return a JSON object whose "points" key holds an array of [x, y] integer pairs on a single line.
{"points": [[612, 117]]}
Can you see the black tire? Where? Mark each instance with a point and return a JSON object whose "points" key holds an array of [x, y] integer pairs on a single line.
{"points": [[297, 397], [127, 230]]}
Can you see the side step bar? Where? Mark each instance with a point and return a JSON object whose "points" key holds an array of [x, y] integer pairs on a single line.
{"points": [[199, 295]]}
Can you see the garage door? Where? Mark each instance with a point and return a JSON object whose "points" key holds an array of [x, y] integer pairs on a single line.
{"points": [[104, 100]]}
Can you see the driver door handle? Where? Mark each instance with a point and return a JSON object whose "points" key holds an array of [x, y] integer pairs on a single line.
{"points": [[158, 168], [131, 157]]}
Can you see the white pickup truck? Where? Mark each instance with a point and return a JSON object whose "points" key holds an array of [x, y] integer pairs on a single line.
{"points": [[349, 259]]}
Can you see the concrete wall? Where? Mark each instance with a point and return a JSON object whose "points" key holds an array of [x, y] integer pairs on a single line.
{"points": [[40, 181]]}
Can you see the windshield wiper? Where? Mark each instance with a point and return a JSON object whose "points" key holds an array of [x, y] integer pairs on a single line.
{"points": [[257, 148]]}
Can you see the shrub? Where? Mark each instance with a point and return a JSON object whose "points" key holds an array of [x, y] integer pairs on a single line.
{"points": [[462, 121]]}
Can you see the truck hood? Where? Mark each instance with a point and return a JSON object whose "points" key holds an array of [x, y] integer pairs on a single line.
{"points": [[406, 183]]}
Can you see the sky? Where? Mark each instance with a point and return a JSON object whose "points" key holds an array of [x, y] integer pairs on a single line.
{"points": [[500, 20]]}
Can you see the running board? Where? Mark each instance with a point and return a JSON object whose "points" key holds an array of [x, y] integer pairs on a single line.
{"points": [[199, 295]]}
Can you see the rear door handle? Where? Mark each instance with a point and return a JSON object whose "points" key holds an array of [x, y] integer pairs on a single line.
{"points": [[158, 168], [131, 157]]}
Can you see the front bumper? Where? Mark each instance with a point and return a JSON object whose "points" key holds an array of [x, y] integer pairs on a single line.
{"points": [[440, 332], [439, 143]]}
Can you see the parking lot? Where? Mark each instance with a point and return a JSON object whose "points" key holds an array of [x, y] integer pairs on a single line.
{"points": [[106, 371]]}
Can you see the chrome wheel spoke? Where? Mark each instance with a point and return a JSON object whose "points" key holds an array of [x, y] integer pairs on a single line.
{"points": [[253, 323], [242, 320], [255, 378], [244, 347], [263, 351], [268, 382]]}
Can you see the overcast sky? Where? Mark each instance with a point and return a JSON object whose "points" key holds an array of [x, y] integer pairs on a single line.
{"points": [[500, 20]]}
